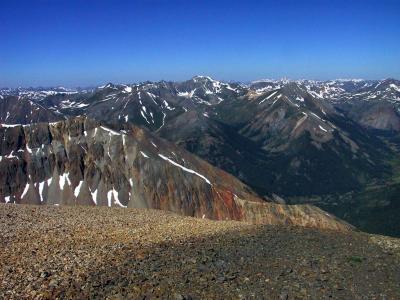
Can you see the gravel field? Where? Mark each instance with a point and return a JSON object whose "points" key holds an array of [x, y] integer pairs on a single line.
{"points": [[52, 252]]}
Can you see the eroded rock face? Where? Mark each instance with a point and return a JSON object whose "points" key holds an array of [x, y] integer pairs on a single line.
{"points": [[81, 162]]}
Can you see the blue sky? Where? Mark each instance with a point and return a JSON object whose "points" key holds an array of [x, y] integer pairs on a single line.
{"points": [[81, 43]]}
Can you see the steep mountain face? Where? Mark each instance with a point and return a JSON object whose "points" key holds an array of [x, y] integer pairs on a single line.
{"points": [[285, 114], [321, 142], [79, 161], [283, 141], [374, 114], [375, 105], [312, 147], [154, 104], [22, 110], [147, 104], [280, 147], [221, 145]]}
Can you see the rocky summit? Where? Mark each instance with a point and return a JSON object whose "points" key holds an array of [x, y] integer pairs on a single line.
{"points": [[52, 252]]}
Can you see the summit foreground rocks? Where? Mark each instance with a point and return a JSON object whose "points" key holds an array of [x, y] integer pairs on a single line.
{"points": [[52, 252]]}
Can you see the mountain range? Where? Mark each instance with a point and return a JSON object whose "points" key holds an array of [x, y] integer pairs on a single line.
{"points": [[269, 151]]}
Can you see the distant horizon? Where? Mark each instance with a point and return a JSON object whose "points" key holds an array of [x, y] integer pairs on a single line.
{"points": [[190, 77]]}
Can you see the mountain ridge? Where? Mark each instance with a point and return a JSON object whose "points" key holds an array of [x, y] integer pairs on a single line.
{"points": [[295, 140]]}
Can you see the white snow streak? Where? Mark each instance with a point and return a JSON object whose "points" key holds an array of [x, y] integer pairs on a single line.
{"points": [[268, 97], [144, 154], [78, 189], [109, 195], [10, 125], [185, 169], [110, 131], [114, 193], [25, 190], [395, 87], [41, 186], [167, 105], [322, 128], [94, 196], [62, 180], [28, 149]]}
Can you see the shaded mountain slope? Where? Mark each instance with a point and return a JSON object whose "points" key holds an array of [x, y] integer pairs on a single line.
{"points": [[220, 145], [22, 110]]}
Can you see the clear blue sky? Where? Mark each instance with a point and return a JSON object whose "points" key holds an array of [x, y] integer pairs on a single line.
{"points": [[80, 43]]}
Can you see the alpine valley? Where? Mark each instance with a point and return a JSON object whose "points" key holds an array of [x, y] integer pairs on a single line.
{"points": [[269, 151]]}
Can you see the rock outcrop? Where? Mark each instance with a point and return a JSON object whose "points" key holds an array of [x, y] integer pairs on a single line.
{"points": [[81, 162]]}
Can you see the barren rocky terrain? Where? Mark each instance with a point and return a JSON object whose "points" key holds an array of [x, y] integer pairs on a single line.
{"points": [[52, 252]]}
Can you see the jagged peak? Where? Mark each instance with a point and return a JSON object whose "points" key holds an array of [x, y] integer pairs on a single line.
{"points": [[108, 85], [202, 77]]}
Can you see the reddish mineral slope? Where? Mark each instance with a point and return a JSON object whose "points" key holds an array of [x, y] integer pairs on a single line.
{"points": [[81, 162]]}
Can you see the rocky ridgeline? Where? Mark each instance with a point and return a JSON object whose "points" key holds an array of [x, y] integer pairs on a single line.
{"points": [[81, 162]]}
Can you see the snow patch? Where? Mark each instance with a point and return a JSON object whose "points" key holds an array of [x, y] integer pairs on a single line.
{"points": [[163, 121], [114, 193], [110, 131], [41, 186], [268, 97], [144, 154], [94, 196], [187, 94], [10, 125], [322, 128], [109, 196], [25, 190], [144, 117], [78, 189], [395, 87], [167, 105], [315, 115], [11, 155], [64, 178], [184, 168]]}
